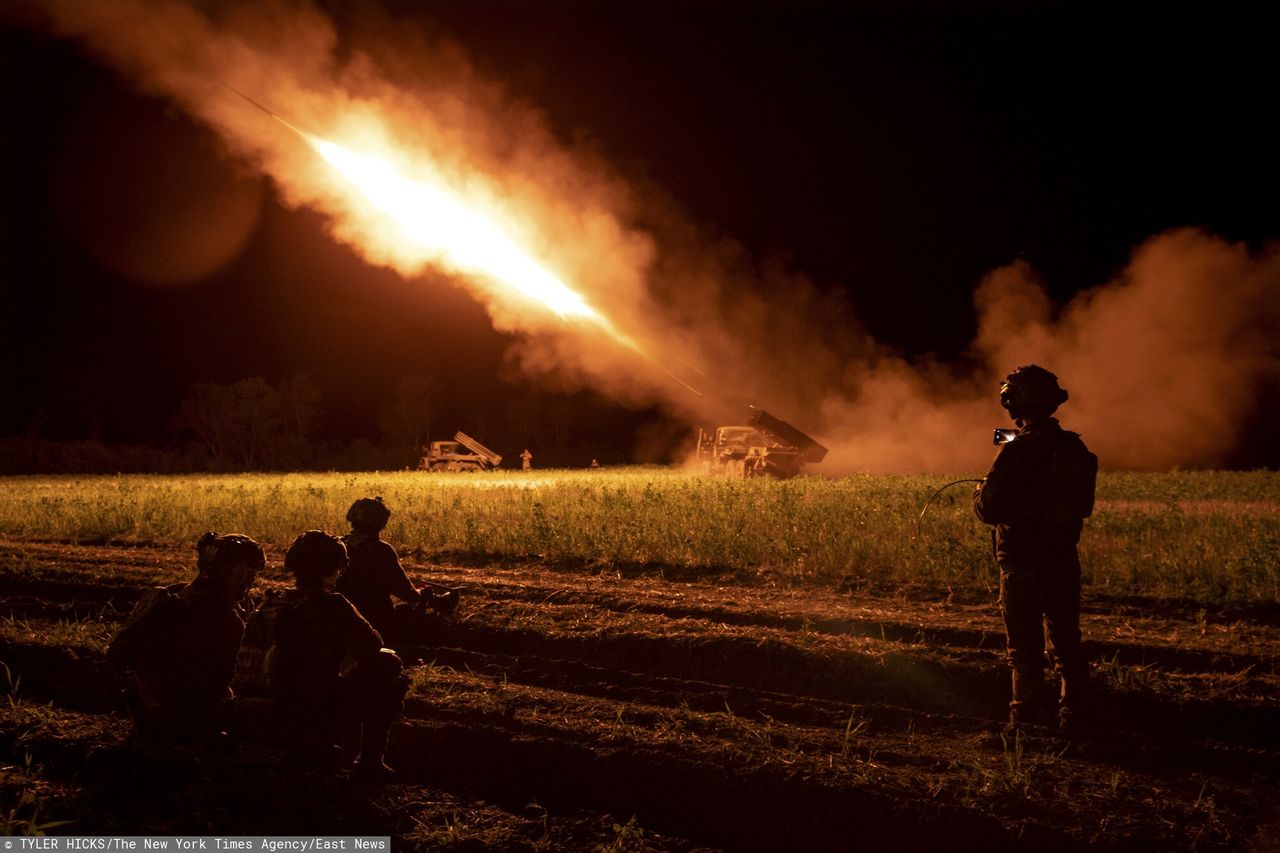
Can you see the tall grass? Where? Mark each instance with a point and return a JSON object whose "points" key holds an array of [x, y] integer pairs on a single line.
{"points": [[1211, 536]]}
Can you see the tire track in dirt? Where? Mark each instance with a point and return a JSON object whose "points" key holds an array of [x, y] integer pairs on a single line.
{"points": [[77, 764], [78, 678], [843, 668], [748, 666], [569, 766], [1132, 633], [512, 744], [900, 630], [686, 718]]}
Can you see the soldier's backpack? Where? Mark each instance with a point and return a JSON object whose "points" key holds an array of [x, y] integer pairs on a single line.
{"points": [[253, 673], [1071, 473], [147, 633]]}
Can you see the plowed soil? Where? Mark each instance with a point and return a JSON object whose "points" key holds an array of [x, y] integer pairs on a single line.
{"points": [[632, 708]]}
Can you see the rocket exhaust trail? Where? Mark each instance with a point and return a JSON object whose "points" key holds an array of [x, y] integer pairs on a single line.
{"points": [[296, 130], [640, 352], [626, 340]]}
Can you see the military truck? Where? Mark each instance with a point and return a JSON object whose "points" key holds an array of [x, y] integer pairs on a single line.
{"points": [[464, 453], [764, 446]]}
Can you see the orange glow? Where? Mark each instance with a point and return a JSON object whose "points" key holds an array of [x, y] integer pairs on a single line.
{"points": [[436, 225]]}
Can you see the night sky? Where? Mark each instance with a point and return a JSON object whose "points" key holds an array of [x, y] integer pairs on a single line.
{"points": [[892, 152]]}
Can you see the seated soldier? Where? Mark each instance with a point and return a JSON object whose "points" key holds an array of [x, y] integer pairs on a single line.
{"points": [[178, 647], [375, 576], [334, 679]]}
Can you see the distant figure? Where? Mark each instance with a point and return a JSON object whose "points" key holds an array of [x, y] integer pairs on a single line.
{"points": [[374, 577], [1036, 495], [595, 463], [178, 647], [526, 460], [326, 699]]}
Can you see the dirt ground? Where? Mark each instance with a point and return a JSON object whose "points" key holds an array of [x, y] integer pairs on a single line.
{"points": [[635, 708]]}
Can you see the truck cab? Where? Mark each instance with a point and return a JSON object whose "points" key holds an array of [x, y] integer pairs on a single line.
{"points": [[464, 453], [765, 446]]}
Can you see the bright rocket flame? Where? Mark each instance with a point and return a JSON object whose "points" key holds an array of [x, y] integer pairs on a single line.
{"points": [[443, 227]]}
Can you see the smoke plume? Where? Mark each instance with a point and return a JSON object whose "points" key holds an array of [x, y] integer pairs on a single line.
{"points": [[1162, 364]]}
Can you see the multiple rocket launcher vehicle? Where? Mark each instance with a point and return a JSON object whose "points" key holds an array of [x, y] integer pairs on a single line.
{"points": [[464, 453], [764, 446]]}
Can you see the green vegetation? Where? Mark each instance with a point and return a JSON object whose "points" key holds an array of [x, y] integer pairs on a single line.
{"points": [[1208, 536], [23, 818]]}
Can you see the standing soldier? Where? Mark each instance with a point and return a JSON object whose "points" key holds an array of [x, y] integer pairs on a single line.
{"points": [[374, 577], [1036, 495], [526, 460], [178, 647], [324, 699]]}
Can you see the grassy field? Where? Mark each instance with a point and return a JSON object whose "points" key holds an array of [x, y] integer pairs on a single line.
{"points": [[822, 663], [1212, 537]]}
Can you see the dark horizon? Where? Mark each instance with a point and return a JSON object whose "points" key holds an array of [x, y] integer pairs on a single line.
{"points": [[894, 158]]}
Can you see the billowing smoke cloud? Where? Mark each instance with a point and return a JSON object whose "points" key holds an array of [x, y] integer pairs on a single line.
{"points": [[1164, 362], [1161, 364]]}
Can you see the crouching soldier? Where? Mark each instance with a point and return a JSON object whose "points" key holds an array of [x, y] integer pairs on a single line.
{"points": [[178, 647], [374, 577], [1036, 495], [334, 680]]}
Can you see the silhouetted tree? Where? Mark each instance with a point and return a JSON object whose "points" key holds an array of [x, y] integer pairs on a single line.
{"points": [[241, 424], [302, 404], [406, 420]]}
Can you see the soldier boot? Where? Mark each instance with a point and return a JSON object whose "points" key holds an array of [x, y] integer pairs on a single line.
{"points": [[1025, 698], [373, 748]]}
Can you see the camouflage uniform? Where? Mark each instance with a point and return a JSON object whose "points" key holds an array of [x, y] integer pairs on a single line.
{"points": [[1036, 494], [373, 578], [328, 668], [178, 646], [332, 675], [256, 658]]}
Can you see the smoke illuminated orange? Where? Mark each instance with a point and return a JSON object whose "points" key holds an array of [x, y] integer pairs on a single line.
{"points": [[444, 229], [438, 226]]}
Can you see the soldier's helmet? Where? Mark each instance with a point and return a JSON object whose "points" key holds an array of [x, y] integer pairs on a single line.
{"points": [[231, 558], [1031, 392], [369, 514], [313, 556]]}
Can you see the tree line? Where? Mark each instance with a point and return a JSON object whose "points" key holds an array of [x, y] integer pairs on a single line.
{"points": [[253, 424]]}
